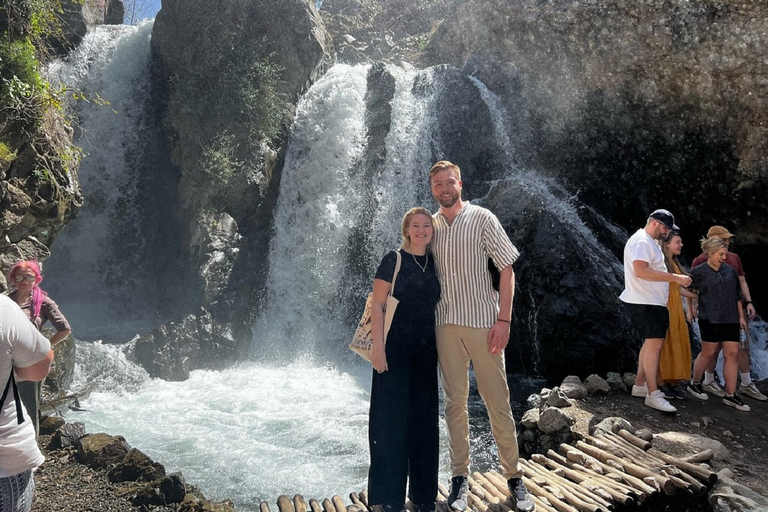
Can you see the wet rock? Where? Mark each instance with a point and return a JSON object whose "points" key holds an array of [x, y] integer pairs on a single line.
{"points": [[136, 466], [101, 450], [165, 491], [68, 435], [51, 424]]}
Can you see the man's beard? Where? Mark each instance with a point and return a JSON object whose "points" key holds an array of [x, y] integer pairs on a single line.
{"points": [[449, 201]]}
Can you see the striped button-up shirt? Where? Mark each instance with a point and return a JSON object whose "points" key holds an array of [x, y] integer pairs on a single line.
{"points": [[461, 252]]}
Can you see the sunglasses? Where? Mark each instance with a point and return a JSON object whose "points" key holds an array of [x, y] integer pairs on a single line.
{"points": [[21, 277]]}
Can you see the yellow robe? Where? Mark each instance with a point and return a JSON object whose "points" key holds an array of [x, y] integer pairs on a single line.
{"points": [[675, 359]]}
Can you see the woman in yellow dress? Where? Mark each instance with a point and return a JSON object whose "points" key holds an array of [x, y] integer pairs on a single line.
{"points": [[675, 358]]}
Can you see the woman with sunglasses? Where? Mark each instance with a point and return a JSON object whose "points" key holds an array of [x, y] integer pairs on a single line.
{"points": [[720, 319], [25, 278]]}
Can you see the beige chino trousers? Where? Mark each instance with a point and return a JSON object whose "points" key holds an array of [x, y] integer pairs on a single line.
{"points": [[456, 347]]}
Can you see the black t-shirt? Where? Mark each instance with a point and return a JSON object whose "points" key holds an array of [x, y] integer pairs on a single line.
{"points": [[718, 292], [418, 292]]}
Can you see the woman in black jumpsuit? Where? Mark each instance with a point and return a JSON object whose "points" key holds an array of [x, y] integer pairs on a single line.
{"points": [[403, 429]]}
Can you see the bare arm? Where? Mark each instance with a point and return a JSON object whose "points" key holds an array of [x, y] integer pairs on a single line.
{"points": [[37, 371], [498, 336], [60, 335], [747, 297], [380, 293], [644, 271]]}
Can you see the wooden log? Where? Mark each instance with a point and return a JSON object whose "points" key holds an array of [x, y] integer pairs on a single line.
{"points": [[299, 504], [701, 456], [697, 487], [315, 506], [570, 492], [603, 499], [592, 484], [284, 504], [664, 468], [636, 441], [338, 503], [354, 498], [364, 498], [264, 507], [707, 476], [640, 489], [493, 495], [636, 470], [328, 505]]}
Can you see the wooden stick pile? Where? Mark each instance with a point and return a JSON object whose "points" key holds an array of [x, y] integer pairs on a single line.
{"points": [[595, 475]]}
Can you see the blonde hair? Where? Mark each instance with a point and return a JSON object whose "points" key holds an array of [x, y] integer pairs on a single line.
{"points": [[443, 165], [712, 244], [409, 215]]}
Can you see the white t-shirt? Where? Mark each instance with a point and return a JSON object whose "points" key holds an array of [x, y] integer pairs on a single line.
{"points": [[21, 345], [641, 247]]}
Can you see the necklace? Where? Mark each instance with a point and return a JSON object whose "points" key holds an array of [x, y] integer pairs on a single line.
{"points": [[426, 262]]}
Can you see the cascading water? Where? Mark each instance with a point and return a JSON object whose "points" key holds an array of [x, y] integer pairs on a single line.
{"points": [[99, 270]]}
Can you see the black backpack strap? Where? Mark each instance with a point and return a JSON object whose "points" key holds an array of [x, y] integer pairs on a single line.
{"points": [[19, 413]]}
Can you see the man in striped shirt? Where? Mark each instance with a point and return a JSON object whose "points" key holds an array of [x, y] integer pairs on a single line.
{"points": [[473, 322]]}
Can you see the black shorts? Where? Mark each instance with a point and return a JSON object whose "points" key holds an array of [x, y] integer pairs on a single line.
{"points": [[648, 320], [718, 333]]}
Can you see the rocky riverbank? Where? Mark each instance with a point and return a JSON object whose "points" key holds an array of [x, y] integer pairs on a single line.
{"points": [[738, 440]]}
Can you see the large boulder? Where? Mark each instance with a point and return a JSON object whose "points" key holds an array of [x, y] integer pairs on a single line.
{"points": [[227, 75]]}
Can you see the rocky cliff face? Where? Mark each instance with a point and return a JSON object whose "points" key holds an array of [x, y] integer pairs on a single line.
{"points": [[227, 75], [632, 105]]}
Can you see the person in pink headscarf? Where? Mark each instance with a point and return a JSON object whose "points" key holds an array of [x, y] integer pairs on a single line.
{"points": [[25, 278]]}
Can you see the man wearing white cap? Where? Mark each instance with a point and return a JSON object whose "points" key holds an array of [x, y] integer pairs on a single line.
{"points": [[645, 294], [709, 384]]}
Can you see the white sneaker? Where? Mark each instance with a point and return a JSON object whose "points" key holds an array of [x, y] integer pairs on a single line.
{"points": [[657, 401], [714, 388], [640, 391], [752, 392]]}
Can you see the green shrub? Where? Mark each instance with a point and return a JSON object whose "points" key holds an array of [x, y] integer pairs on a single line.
{"points": [[7, 155], [18, 60]]}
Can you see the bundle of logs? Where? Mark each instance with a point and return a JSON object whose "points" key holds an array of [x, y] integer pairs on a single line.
{"points": [[598, 474]]}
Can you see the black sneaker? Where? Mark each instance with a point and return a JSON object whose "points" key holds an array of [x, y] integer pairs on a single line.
{"points": [[457, 498], [519, 494], [695, 389], [736, 402], [680, 392], [669, 394]]}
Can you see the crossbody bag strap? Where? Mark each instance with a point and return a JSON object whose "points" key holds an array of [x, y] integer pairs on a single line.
{"points": [[12, 381], [397, 270]]}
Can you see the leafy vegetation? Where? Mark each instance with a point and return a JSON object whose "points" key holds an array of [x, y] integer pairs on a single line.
{"points": [[29, 103]]}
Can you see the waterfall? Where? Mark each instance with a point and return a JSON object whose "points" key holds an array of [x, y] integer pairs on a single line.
{"points": [[324, 197], [100, 271]]}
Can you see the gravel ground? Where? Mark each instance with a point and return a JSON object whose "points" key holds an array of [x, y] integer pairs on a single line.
{"points": [[62, 484]]}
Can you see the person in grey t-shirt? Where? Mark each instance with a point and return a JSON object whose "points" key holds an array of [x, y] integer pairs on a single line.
{"points": [[720, 318]]}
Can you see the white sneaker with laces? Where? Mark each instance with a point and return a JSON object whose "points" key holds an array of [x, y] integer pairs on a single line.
{"points": [[657, 401], [640, 391], [714, 388], [752, 392]]}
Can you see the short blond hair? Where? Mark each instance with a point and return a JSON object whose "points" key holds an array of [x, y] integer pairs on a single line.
{"points": [[712, 244], [407, 218], [443, 165]]}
